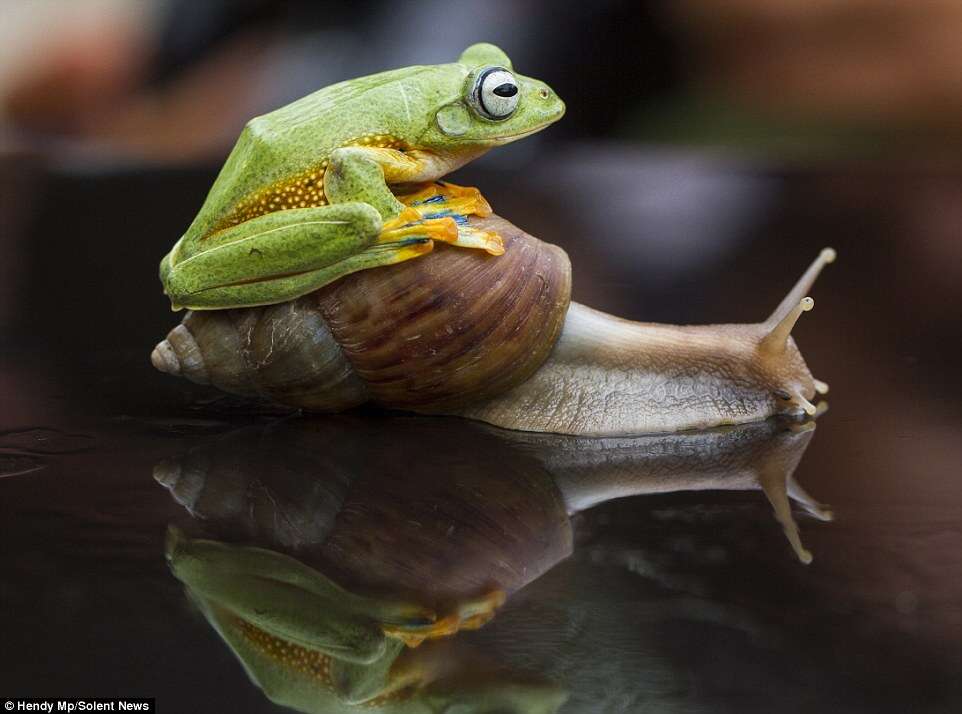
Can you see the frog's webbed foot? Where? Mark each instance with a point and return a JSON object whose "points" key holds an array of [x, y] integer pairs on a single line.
{"points": [[467, 615], [436, 212], [440, 200], [465, 200], [411, 228]]}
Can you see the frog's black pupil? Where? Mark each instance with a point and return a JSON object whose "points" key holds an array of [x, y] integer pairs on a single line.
{"points": [[506, 90]]}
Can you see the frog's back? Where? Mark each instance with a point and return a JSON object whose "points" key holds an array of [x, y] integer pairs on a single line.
{"points": [[318, 108], [279, 159]]}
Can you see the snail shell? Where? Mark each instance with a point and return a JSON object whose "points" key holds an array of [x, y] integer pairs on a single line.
{"points": [[497, 339], [448, 329]]}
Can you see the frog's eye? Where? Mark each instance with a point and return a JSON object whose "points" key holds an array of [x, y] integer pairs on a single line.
{"points": [[496, 93]]}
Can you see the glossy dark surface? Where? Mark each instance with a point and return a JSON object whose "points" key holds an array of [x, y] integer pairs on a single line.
{"points": [[685, 602]]}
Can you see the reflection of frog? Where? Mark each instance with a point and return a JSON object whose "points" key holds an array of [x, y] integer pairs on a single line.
{"points": [[311, 645], [364, 503]]}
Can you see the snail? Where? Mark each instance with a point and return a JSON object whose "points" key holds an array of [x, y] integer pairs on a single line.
{"points": [[498, 339]]}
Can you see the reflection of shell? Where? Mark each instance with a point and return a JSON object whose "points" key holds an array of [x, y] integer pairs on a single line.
{"points": [[448, 329], [460, 518], [361, 500]]}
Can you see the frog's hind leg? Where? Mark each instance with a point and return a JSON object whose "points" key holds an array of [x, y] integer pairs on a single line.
{"points": [[272, 258], [281, 256], [293, 286]]}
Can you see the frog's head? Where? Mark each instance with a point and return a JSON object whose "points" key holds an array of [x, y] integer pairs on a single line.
{"points": [[488, 104]]}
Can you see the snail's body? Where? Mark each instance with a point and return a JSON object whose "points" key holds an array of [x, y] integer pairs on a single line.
{"points": [[613, 376], [497, 339]]}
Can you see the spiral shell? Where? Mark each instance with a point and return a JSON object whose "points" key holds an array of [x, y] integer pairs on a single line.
{"points": [[432, 334]]}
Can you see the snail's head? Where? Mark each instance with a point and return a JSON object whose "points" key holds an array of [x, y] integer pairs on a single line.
{"points": [[779, 362]]}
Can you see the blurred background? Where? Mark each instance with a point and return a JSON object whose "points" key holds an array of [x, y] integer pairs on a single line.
{"points": [[172, 81], [692, 127], [710, 149]]}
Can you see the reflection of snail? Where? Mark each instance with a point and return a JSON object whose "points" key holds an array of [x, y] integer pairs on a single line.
{"points": [[359, 502], [497, 339], [324, 502]]}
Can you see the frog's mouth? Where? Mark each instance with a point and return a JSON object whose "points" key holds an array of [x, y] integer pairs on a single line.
{"points": [[508, 138], [520, 135]]}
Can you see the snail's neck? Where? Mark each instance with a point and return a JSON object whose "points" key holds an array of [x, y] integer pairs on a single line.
{"points": [[607, 376]]}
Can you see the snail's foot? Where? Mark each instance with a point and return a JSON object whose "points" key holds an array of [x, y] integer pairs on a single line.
{"points": [[446, 200], [468, 615]]}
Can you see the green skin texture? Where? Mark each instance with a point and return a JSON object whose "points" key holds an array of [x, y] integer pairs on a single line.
{"points": [[285, 254], [289, 600]]}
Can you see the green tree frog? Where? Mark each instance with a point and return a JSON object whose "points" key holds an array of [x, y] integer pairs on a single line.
{"points": [[343, 180]]}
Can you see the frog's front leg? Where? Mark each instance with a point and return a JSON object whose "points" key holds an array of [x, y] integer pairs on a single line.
{"points": [[358, 173], [375, 683]]}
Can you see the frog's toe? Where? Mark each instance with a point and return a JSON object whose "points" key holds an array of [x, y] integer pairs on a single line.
{"points": [[465, 199], [441, 225], [478, 611], [467, 615], [482, 607], [431, 197], [445, 201], [409, 224], [477, 621], [489, 241], [408, 615], [414, 635]]}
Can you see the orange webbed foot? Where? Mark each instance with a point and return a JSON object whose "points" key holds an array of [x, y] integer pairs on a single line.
{"points": [[439, 200]]}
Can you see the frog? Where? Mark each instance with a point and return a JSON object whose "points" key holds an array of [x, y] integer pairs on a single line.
{"points": [[346, 179], [314, 646]]}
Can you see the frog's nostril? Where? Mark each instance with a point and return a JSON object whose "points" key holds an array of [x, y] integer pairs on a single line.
{"points": [[544, 93]]}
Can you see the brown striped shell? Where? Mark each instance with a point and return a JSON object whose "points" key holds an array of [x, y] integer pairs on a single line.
{"points": [[431, 334]]}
